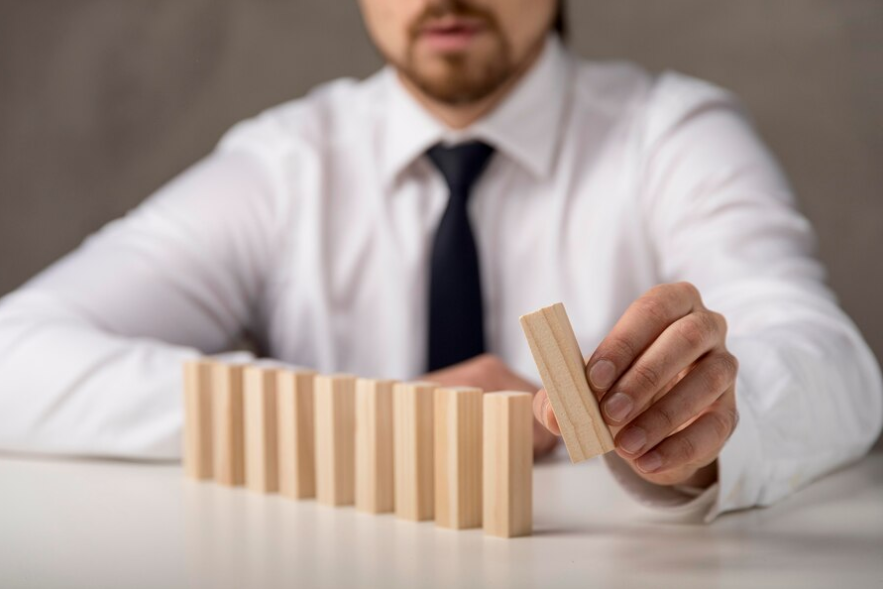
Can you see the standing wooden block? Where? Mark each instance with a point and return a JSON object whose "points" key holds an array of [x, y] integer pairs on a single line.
{"points": [[508, 464], [374, 448], [413, 440], [297, 450], [198, 419], [563, 371], [261, 445], [229, 424], [335, 400], [458, 449]]}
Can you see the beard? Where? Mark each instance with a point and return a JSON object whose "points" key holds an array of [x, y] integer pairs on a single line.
{"points": [[463, 77]]}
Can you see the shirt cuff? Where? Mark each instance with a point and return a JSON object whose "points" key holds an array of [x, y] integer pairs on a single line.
{"points": [[738, 485], [740, 465], [673, 500]]}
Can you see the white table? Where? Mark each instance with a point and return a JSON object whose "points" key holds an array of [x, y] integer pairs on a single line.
{"points": [[123, 525]]}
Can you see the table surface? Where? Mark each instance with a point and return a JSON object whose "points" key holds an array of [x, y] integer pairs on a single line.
{"points": [[79, 523]]}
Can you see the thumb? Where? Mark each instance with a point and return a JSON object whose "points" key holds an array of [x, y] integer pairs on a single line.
{"points": [[542, 410]]}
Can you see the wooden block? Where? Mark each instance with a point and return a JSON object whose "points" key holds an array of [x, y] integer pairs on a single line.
{"points": [[508, 464], [413, 440], [458, 453], [228, 425], [374, 447], [335, 400], [261, 445], [198, 419], [563, 371], [297, 449]]}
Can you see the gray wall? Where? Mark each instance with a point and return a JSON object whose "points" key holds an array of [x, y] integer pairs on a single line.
{"points": [[101, 101]]}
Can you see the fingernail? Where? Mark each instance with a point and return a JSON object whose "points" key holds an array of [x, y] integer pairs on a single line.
{"points": [[649, 462], [632, 440], [618, 407], [602, 374]]}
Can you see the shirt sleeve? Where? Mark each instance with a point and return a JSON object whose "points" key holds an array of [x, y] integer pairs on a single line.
{"points": [[91, 349], [721, 215]]}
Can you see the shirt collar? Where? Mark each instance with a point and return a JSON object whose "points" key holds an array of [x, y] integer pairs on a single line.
{"points": [[526, 125]]}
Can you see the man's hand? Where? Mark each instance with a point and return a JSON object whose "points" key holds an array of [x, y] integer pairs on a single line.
{"points": [[666, 385], [489, 373]]}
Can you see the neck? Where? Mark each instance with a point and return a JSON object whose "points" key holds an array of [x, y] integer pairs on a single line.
{"points": [[460, 116]]}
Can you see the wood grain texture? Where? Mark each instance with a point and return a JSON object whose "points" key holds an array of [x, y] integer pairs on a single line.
{"points": [[563, 371], [413, 443], [374, 446], [335, 417], [508, 464], [458, 456], [198, 419], [296, 433], [229, 424], [261, 444]]}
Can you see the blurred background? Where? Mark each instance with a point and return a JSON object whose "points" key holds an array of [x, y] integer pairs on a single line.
{"points": [[103, 101]]}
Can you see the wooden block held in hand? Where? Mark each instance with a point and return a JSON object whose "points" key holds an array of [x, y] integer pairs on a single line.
{"points": [[296, 433], [563, 371], [335, 407], [261, 445], [458, 454], [413, 442], [229, 424], [374, 447], [508, 464], [198, 419]]}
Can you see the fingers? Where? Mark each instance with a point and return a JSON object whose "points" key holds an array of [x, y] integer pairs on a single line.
{"points": [[709, 380], [542, 410], [695, 446], [543, 440], [639, 326], [677, 348]]}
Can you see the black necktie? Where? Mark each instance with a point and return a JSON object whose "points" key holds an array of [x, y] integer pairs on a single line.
{"points": [[456, 322]]}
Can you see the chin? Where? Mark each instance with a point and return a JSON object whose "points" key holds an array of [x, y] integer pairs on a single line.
{"points": [[454, 89], [460, 82]]}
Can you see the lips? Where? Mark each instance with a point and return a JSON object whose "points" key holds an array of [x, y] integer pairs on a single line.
{"points": [[451, 33]]}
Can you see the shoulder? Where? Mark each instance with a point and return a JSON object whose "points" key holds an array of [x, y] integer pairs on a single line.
{"points": [[307, 123], [613, 88], [676, 99], [650, 104], [286, 147]]}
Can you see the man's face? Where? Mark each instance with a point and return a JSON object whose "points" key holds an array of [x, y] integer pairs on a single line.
{"points": [[458, 51]]}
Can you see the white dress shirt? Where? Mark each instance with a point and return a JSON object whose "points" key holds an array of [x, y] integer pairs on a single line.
{"points": [[310, 226]]}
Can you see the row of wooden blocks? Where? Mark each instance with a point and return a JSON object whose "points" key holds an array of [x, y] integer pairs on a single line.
{"points": [[456, 455]]}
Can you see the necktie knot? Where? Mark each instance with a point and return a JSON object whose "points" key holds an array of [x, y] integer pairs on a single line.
{"points": [[461, 164]]}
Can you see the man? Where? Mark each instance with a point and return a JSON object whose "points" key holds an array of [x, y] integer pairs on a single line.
{"points": [[401, 225]]}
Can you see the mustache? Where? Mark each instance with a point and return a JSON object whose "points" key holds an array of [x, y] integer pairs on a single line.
{"points": [[461, 8]]}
